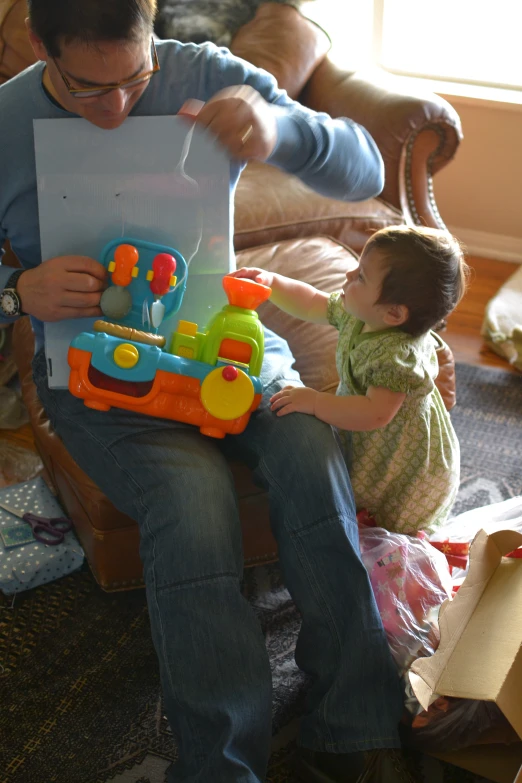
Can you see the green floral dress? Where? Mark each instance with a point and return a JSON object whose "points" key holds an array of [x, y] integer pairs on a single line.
{"points": [[407, 473]]}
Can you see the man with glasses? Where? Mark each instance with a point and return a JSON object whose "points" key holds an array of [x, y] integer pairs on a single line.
{"points": [[97, 60]]}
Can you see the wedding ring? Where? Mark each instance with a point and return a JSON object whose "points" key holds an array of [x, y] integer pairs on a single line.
{"points": [[247, 134]]}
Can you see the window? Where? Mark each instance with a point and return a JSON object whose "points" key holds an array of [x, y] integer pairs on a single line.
{"points": [[349, 24], [456, 40]]}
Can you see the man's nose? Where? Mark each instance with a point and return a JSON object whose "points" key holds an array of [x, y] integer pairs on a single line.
{"points": [[115, 101]]}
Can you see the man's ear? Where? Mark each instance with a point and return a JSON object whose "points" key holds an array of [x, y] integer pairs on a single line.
{"points": [[37, 43], [396, 315]]}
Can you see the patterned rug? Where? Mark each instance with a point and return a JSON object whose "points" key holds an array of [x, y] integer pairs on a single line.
{"points": [[80, 696]]}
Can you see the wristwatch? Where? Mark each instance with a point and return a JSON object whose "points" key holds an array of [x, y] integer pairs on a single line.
{"points": [[10, 302]]}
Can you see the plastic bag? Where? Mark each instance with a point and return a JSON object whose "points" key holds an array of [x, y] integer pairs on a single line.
{"points": [[452, 724], [17, 464], [498, 516], [410, 580]]}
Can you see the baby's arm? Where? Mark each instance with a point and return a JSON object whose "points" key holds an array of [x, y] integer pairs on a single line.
{"points": [[357, 413], [294, 297]]}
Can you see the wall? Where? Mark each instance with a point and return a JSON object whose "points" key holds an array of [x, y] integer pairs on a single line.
{"points": [[480, 193]]}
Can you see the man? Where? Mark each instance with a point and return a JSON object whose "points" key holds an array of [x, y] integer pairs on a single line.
{"points": [[97, 61]]}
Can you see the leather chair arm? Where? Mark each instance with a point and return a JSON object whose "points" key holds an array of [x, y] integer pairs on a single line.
{"points": [[417, 132]]}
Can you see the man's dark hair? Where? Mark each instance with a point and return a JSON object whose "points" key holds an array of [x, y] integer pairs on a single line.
{"points": [[425, 270], [90, 21]]}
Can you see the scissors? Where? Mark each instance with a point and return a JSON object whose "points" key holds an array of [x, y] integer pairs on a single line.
{"points": [[46, 530]]}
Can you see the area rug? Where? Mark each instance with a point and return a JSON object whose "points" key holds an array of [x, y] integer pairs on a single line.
{"points": [[79, 687]]}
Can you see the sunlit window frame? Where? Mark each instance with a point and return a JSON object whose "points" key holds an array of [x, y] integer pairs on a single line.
{"points": [[377, 40]]}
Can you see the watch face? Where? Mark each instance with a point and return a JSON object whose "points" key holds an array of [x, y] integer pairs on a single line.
{"points": [[9, 303]]}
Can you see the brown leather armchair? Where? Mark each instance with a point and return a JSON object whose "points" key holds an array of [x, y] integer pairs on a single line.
{"points": [[281, 225]]}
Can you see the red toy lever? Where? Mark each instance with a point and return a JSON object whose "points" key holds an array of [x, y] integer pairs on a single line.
{"points": [[163, 267]]}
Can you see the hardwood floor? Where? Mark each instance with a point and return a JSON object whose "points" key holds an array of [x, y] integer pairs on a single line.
{"points": [[462, 333]]}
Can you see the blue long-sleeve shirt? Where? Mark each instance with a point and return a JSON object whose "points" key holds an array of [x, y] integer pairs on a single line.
{"points": [[335, 157]]}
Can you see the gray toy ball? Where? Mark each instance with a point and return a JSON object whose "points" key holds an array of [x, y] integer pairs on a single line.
{"points": [[116, 302]]}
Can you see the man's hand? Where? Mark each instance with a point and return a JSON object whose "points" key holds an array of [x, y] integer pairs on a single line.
{"points": [[242, 121], [63, 287], [257, 275], [294, 399]]}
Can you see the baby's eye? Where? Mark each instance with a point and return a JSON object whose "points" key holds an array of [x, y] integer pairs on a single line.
{"points": [[359, 276]]}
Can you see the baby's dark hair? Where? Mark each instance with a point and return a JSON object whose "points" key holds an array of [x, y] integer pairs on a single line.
{"points": [[425, 270]]}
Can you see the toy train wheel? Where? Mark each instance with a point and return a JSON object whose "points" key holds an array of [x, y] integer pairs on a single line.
{"points": [[227, 393]]}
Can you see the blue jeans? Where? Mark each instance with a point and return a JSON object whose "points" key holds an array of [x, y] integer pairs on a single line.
{"points": [[215, 673]]}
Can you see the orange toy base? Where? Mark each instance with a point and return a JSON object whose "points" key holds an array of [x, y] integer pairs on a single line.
{"points": [[170, 396]]}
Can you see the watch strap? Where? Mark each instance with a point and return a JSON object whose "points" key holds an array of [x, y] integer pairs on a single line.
{"points": [[12, 280]]}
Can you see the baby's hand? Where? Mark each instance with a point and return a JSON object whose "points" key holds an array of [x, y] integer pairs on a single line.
{"points": [[294, 399], [257, 275]]}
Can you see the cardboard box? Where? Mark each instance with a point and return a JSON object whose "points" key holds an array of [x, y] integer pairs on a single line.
{"points": [[480, 650]]}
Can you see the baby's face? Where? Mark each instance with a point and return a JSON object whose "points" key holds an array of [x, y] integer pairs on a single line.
{"points": [[363, 288]]}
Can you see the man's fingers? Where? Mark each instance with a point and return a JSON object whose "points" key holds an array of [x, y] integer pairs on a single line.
{"points": [[80, 300], [87, 265], [84, 282], [224, 120], [241, 94], [191, 108], [78, 312]]}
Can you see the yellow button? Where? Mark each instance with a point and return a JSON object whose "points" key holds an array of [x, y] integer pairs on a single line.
{"points": [[126, 355]]}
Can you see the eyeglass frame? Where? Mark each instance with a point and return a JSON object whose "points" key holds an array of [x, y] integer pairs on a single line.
{"points": [[97, 92]]}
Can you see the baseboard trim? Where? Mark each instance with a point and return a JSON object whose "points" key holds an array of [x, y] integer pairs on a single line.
{"points": [[498, 247]]}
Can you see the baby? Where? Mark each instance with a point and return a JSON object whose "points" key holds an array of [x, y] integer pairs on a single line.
{"points": [[398, 439]]}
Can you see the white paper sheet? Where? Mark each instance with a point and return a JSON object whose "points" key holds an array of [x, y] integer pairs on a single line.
{"points": [[95, 186]]}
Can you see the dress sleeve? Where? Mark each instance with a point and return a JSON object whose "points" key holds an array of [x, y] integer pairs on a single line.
{"points": [[336, 313], [399, 368]]}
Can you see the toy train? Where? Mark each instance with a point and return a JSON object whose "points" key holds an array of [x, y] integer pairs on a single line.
{"points": [[206, 378]]}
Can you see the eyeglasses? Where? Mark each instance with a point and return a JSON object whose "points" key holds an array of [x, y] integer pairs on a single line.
{"points": [[89, 92]]}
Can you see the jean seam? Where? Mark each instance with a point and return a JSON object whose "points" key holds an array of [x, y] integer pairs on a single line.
{"points": [[295, 539], [151, 431], [187, 583], [321, 522]]}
